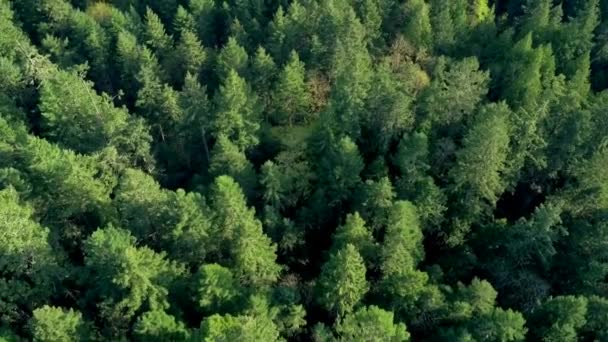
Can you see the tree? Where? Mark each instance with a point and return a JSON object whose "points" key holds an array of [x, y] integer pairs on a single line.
{"points": [[28, 265], [417, 27], [371, 324], [76, 117], [354, 232], [51, 323], [559, 318], [217, 290], [68, 186], [351, 72], [291, 100], [374, 201], [189, 57], [156, 38], [239, 234], [197, 110], [403, 241], [476, 175], [389, 107], [341, 284], [226, 159], [263, 72], [405, 289], [126, 278], [233, 57], [184, 21], [455, 91], [519, 255], [237, 328], [174, 221], [340, 168], [237, 114], [412, 160], [204, 13], [159, 326]]}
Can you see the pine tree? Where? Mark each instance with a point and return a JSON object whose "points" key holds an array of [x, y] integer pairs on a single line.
{"points": [[156, 38], [455, 91], [354, 232], [232, 57], [217, 290], [476, 175], [189, 57], [263, 72], [236, 115], [226, 159], [184, 21], [371, 323], [291, 100], [417, 27], [159, 326], [239, 234], [50, 323], [341, 284], [28, 265], [125, 277]]}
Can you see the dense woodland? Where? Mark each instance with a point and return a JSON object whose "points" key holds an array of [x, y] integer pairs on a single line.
{"points": [[307, 170]]}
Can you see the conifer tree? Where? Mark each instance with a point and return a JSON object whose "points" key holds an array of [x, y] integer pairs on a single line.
{"points": [[28, 267], [232, 57], [291, 100], [50, 323], [417, 26], [341, 284], [240, 239], [189, 57], [155, 35], [236, 113]]}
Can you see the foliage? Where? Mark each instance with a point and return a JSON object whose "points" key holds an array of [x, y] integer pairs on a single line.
{"points": [[326, 170]]}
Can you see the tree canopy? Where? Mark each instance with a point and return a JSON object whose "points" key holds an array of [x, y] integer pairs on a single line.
{"points": [[303, 170]]}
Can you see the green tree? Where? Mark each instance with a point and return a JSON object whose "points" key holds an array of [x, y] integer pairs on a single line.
{"points": [[28, 265], [197, 110], [204, 13], [417, 24], [389, 107], [476, 176], [232, 57], [125, 278], [339, 170], [455, 91], [226, 159], [217, 290], [238, 328], [174, 221], [156, 38], [341, 284], [414, 183], [159, 326], [75, 116], [406, 290], [251, 254], [371, 324], [237, 114], [263, 72], [183, 21], [50, 323], [291, 100], [351, 72], [559, 319], [354, 232], [188, 58]]}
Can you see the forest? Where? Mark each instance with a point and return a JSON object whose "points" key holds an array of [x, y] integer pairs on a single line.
{"points": [[304, 170]]}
